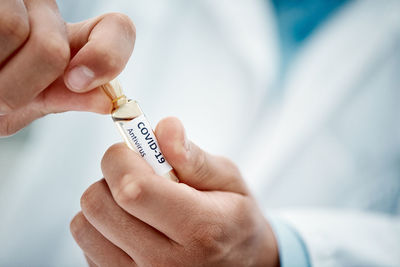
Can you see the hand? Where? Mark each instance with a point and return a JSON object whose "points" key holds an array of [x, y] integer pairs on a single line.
{"points": [[37, 76], [135, 218]]}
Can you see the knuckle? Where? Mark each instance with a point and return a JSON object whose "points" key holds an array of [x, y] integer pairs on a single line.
{"points": [[54, 50], [230, 167], [78, 225], [200, 166], [131, 191], [232, 175], [242, 213], [5, 127], [111, 153], [228, 163], [9, 101], [209, 240], [5, 107], [113, 150], [14, 26], [112, 60], [125, 22], [91, 199]]}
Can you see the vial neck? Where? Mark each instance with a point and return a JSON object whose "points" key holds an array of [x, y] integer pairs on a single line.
{"points": [[119, 101]]}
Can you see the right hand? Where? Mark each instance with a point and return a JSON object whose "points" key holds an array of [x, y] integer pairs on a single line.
{"points": [[49, 66], [135, 217]]}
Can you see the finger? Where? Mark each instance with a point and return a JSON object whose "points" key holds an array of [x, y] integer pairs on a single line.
{"points": [[39, 62], [103, 46], [13, 122], [194, 166], [57, 98], [14, 27], [136, 238], [96, 247], [155, 200], [90, 262]]}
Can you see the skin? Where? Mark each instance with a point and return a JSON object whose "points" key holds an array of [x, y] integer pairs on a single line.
{"points": [[134, 217], [39, 53]]}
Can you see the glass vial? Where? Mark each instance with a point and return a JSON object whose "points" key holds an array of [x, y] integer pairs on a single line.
{"points": [[136, 130]]}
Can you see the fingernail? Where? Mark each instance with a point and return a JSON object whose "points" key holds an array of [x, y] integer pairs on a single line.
{"points": [[79, 78]]}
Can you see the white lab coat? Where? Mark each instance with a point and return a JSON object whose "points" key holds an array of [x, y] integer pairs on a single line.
{"points": [[323, 156]]}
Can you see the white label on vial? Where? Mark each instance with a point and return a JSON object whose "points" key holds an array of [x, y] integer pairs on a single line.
{"points": [[145, 143]]}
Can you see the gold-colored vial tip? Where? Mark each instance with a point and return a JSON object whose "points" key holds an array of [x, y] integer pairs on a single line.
{"points": [[114, 91]]}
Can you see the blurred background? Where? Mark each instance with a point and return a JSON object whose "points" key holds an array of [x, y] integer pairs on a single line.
{"points": [[302, 95]]}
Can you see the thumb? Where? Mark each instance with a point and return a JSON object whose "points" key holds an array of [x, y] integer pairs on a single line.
{"points": [[194, 166], [100, 48]]}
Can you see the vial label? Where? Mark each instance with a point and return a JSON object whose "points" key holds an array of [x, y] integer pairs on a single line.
{"points": [[144, 142]]}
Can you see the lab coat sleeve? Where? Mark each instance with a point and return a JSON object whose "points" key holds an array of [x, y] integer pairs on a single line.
{"points": [[292, 250], [347, 238]]}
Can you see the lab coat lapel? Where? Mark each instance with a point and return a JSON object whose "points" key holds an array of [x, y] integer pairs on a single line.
{"points": [[330, 67]]}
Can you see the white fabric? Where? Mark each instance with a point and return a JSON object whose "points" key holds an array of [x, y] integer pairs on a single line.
{"points": [[325, 156], [348, 238]]}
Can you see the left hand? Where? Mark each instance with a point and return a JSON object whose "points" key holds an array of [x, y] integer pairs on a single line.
{"points": [[135, 218]]}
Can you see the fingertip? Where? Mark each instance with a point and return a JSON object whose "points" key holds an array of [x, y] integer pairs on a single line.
{"points": [[119, 160], [77, 224], [102, 49], [168, 126], [173, 140], [115, 151]]}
